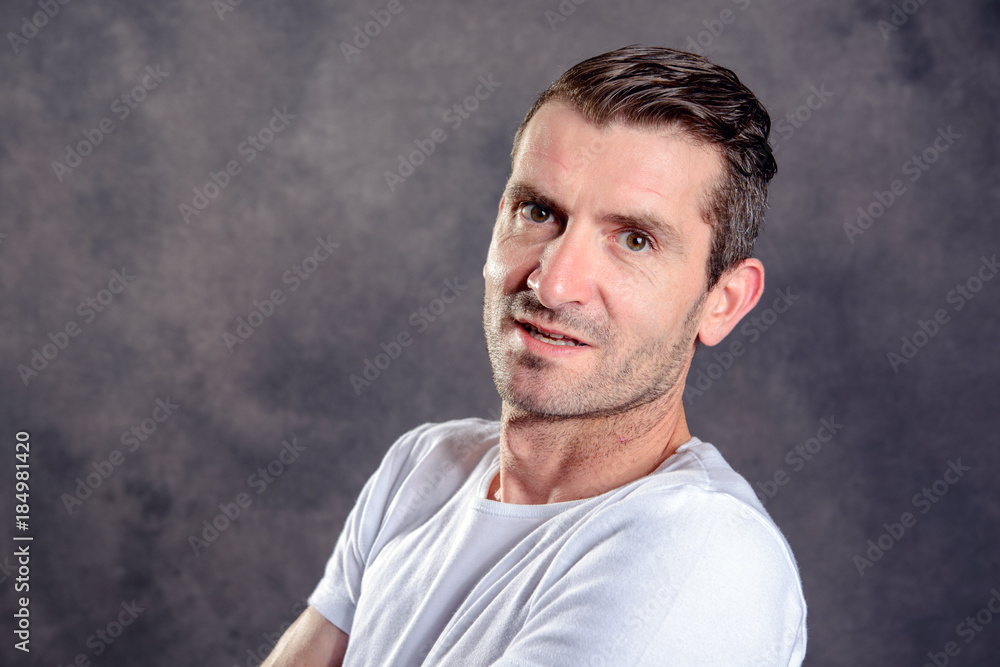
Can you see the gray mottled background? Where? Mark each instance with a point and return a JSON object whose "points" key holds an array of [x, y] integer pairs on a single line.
{"points": [[886, 94]]}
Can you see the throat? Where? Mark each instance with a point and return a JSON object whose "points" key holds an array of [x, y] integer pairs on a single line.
{"points": [[556, 459]]}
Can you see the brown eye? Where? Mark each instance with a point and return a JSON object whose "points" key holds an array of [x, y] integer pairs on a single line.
{"points": [[535, 213], [635, 241]]}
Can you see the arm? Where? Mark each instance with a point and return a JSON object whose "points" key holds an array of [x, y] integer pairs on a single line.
{"points": [[311, 641]]}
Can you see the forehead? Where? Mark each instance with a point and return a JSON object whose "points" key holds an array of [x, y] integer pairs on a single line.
{"points": [[566, 155]]}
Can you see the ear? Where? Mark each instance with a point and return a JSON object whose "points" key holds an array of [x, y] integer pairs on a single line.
{"points": [[735, 295]]}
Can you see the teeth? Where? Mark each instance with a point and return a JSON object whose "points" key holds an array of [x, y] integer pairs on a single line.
{"points": [[552, 339]]}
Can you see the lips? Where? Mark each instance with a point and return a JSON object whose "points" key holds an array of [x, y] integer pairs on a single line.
{"points": [[549, 336]]}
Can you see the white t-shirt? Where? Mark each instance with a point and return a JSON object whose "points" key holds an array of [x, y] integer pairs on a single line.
{"points": [[681, 567]]}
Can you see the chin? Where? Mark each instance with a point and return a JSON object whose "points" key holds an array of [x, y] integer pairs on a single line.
{"points": [[526, 397], [564, 402]]}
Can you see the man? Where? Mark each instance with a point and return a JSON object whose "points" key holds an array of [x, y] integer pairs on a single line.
{"points": [[588, 527]]}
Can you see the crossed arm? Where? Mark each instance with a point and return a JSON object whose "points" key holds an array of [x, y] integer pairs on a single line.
{"points": [[311, 641]]}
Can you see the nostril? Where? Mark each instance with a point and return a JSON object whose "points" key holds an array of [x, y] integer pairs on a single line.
{"points": [[533, 282]]}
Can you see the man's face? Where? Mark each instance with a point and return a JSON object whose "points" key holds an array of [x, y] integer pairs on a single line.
{"points": [[596, 273]]}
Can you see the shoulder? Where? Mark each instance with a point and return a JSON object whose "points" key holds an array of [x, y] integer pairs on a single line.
{"points": [[418, 473], [432, 460], [697, 544], [697, 482], [459, 440], [700, 465], [699, 514], [698, 491]]}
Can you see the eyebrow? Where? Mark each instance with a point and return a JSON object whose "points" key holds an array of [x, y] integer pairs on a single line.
{"points": [[665, 232], [518, 193]]}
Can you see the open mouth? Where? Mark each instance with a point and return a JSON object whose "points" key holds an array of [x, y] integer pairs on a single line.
{"points": [[550, 337]]}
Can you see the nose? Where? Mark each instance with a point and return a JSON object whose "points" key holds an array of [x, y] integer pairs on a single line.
{"points": [[565, 273]]}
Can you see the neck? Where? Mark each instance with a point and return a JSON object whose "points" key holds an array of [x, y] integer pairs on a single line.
{"points": [[557, 459]]}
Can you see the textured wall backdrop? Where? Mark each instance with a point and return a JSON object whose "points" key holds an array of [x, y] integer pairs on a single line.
{"points": [[168, 169]]}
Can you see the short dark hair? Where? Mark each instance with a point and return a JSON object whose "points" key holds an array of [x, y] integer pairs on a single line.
{"points": [[653, 87]]}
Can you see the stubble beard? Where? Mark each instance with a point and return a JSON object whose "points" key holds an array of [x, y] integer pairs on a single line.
{"points": [[620, 383]]}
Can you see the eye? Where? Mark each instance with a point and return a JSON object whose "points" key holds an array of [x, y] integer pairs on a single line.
{"points": [[536, 213], [634, 241]]}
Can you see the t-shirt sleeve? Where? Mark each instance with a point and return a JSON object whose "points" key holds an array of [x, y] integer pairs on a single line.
{"points": [[708, 582], [336, 595]]}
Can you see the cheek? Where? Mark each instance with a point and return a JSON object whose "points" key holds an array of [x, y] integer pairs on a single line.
{"points": [[644, 313], [641, 322], [508, 264], [493, 271]]}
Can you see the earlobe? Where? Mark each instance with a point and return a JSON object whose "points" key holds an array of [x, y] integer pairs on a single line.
{"points": [[735, 295]]}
